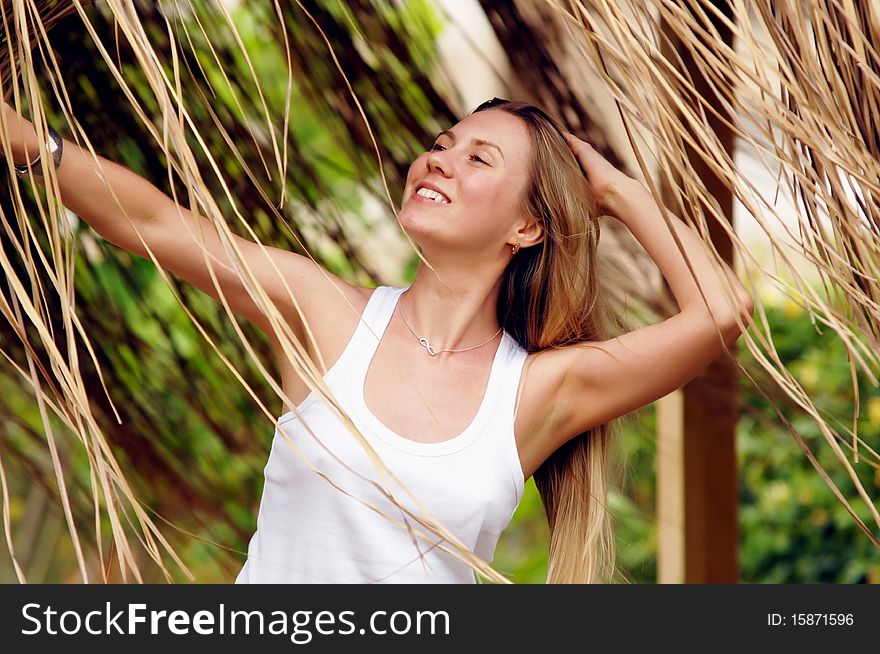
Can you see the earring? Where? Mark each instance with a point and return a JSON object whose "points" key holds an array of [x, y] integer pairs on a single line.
{"points": [[515, 248]]}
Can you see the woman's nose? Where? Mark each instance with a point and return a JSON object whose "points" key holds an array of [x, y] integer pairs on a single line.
{"points": [[437, 162]]}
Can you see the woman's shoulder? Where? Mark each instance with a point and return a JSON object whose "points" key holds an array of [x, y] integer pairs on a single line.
{"points": [[360, 297], [366, 293]]}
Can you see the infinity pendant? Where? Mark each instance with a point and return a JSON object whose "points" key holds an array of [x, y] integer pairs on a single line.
{"points": [[431, 350]]}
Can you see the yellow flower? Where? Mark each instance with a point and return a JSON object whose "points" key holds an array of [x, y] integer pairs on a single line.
{"points": [[874, 411], [16, 508], [809, 374], [778, 492], [791, 308]]}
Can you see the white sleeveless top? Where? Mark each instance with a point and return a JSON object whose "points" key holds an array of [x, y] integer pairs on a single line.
{"points": [[308, 531]]}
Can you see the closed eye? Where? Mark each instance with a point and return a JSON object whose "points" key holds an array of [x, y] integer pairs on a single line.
{"points": [[438, 146]]}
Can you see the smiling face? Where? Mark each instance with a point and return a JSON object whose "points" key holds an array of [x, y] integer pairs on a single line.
{"points": [[483, 183]]}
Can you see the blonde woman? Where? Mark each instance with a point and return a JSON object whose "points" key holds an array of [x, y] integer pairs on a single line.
{"points": [[468, 381]]}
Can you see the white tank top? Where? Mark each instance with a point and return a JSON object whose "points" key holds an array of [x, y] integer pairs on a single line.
{"points": [[310, 532]]}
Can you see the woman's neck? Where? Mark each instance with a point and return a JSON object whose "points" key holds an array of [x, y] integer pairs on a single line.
{"points": [[454, 311]]}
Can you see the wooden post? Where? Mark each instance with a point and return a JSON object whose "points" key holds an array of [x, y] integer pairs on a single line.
{"points": [[697, 477]]}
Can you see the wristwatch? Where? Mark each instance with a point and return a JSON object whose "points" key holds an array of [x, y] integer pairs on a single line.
{"points": [[56, 147]]}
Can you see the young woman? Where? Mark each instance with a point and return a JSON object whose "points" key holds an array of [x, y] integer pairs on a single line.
{"points": [[490, 369]]}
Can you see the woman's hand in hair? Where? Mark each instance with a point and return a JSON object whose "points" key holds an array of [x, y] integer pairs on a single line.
{"points": [[604, 179]]}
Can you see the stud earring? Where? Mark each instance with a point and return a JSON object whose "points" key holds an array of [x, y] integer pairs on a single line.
{"points": [[515, 248]]}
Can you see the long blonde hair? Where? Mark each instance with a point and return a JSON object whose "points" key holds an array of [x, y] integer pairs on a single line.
{"points": [[550, 298]]}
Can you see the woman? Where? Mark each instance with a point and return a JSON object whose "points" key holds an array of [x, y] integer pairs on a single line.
{"points": [[487, 370]]}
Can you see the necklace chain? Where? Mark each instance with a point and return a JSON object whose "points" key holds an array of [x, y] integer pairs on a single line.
{"points": [[430, 348]]}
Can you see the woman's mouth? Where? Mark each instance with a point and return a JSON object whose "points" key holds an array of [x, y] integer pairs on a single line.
{"points": [[429, 196]]}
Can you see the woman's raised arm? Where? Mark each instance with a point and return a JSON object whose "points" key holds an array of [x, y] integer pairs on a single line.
{"points": [[602, 380], [132, 213]]}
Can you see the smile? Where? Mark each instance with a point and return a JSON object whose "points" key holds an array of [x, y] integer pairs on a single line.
{"points": [[421, 198], [425, 190]]}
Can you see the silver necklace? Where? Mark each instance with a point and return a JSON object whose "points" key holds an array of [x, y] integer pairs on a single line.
{"points": [[430, 348]]}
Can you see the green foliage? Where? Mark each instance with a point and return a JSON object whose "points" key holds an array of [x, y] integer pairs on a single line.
{"points": [[792, 527]]}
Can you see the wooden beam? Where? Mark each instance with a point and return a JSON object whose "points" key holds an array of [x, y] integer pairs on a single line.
{"points": [[697, 477]]}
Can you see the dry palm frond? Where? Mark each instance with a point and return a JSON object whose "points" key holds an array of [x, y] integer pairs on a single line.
{"points": [[803, 83]]}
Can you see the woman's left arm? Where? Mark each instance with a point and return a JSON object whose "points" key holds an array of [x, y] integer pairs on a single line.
{"points": [[602, 380], [632, 204]]}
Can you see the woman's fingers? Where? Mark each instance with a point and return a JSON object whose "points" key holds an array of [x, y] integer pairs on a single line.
{"points": [[600, 173], [582, 151], [573, 140]]}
